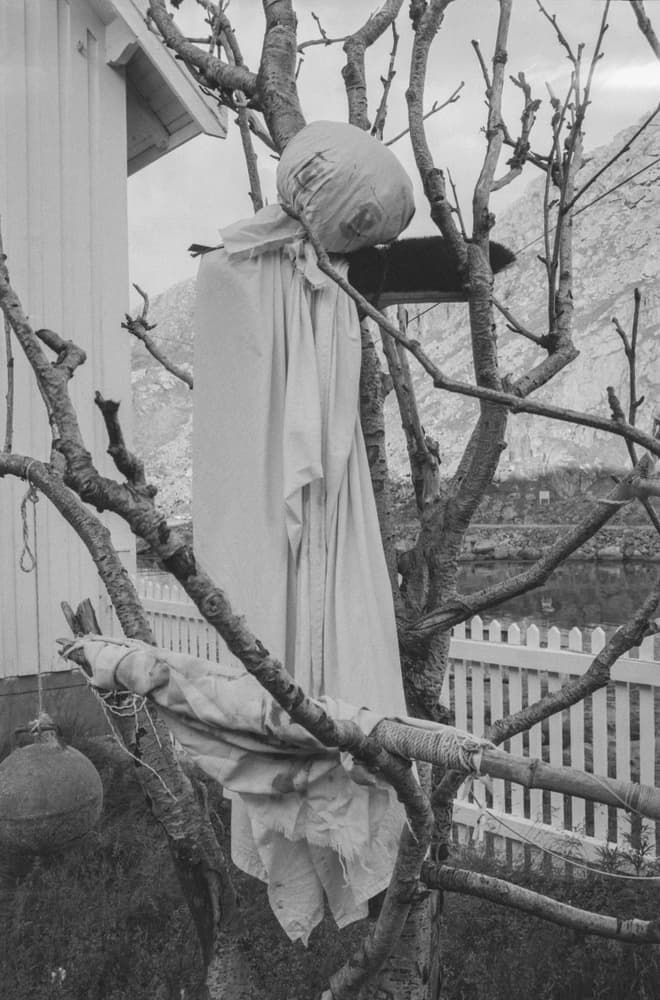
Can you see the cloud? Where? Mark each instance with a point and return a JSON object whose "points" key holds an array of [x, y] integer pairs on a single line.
{"points": [[632, 77]]}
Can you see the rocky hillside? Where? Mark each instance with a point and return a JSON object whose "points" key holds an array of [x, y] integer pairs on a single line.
{"points": [[617, 248]]}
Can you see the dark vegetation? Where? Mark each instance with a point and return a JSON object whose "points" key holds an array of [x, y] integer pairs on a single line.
{"points": [[105, 921], [492, 953]]}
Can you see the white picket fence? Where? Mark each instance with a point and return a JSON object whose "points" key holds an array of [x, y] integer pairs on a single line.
{"points": [[497, 670]]}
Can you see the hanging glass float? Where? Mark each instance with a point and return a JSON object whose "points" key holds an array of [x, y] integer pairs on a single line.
{"points": [[50, 794]]}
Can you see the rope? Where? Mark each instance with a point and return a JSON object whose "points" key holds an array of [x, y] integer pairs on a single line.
{"points": [[125, 704], [655, 879], [28, 564], [457, 750]]}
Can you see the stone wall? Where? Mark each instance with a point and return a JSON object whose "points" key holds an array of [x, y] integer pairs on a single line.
{"points": [[521, 543]]}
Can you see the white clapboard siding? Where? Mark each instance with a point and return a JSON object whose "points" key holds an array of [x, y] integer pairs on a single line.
{"points": [[63, 210]]}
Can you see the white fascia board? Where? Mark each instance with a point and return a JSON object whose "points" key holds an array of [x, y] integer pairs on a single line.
{"points": [[212, 120]]}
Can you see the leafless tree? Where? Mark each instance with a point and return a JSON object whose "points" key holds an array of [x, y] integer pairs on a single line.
{"points": [[400, 952]]}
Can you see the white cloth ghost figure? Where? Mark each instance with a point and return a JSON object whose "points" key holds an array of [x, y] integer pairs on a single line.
{"points": [[284, 514]]}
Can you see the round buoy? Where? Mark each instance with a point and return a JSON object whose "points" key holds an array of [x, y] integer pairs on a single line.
{"points": [[50, 795]]}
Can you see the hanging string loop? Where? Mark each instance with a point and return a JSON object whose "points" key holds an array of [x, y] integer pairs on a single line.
{"points": [[28, 560], [28, 563]]}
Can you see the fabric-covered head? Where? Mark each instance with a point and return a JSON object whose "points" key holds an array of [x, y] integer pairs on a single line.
{"points": [[352, 189]]}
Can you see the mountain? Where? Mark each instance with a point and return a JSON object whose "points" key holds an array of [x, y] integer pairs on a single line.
{"points": [[616, 248], [162, 403]]}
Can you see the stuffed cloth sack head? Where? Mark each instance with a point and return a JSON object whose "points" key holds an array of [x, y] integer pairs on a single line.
{"points": [[351, 188]]}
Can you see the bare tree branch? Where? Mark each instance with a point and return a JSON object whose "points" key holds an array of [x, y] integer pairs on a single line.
{"points": [[225, 37], [381, 114], [276, 79], [355, 47], [596, 676], [645, 26], [9, 395], [467, 755], [213, 72], [139, 327], [619, 153], [435, 107], [513, 402], [516, 326], [427, 19], [460, 607], [9, 364], [422, 452], [516, 897], [323, 40]]}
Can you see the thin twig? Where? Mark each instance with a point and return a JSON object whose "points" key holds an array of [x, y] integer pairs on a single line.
{"points": [[630, 349], [9, 396], [139, 327], [624, 149], [521, 146], [482, 64], [225, 36], [457, 204], [552, 18], [453, 97], [9, 360], [422, 451], [323, 40], [381, 113], [516, 326], [615, 187]]}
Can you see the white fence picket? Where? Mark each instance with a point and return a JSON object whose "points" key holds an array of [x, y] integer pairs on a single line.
{"points": [[497, 712], [554, 638], [575, 640], [515, 744], [555, 752], [494, 631], [460, 704], [478, 699], [598, 639], [600, 740], [577, 760], [647, 736], [535, 746], [647, 648]]}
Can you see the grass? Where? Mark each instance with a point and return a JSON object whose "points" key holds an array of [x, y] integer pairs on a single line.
{"points": [[493, 953], [105, 920]]}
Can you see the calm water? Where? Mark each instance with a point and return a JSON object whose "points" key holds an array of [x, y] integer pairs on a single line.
{"points": [[580, 593]]}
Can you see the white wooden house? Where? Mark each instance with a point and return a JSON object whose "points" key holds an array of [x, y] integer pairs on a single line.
{"points": [[88, 95]]}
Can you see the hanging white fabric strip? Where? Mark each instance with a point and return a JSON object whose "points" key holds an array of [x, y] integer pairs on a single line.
{"points": [[305, 819], [283, 509]]}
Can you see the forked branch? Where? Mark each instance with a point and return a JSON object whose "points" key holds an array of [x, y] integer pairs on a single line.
{"points": [[140, 328]]}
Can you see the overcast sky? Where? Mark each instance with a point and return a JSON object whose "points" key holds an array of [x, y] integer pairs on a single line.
{"points": [[189, 194]]}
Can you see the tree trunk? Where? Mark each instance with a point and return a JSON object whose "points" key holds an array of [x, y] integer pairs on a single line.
{"points": [[198, 858]]}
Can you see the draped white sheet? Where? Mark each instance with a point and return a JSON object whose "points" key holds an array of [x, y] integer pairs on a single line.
{"points": [[284, 514], [309, 820]]}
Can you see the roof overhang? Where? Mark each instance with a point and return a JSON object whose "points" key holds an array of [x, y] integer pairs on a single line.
{"points": [[164, 105]]}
